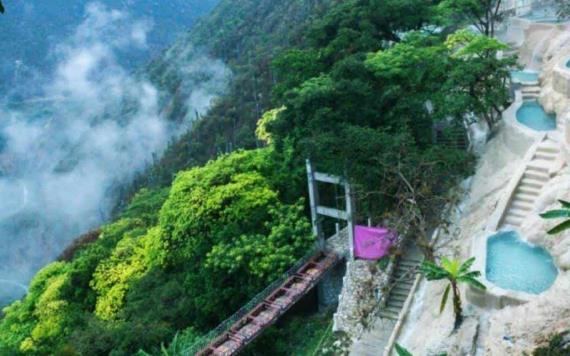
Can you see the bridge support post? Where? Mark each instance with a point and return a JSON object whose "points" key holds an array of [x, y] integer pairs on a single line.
{"points": [[330, 287]]}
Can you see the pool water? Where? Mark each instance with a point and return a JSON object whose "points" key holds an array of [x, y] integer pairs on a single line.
{"points": [[568, 64], [523, 76], [516, 265], [531, 114]]}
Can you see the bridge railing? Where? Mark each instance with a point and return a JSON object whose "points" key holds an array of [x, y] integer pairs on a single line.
{"points": [[207, 339]]}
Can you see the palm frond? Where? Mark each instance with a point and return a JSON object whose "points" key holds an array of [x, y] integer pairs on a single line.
{"points": [[471, 274], [473, 281], [564, 203], [401, 351], [559, 228], [466, 266], [432, 271], [555, 214]]}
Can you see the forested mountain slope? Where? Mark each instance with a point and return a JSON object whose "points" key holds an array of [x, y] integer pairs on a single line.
{"points": [[351, 79], [247, 35], [95, 299]]}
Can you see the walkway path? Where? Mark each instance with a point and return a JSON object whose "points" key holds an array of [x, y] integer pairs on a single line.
{"points": [[534, 178], [373, 342]]}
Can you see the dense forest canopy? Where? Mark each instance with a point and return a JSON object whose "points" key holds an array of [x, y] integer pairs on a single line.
{"points": [[358, 86]]}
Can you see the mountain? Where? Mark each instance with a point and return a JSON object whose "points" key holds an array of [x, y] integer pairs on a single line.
{"points": [[32, 28]]}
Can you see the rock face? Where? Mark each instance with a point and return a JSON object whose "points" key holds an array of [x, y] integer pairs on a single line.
{"points": [[361, 294], [514, 330]]}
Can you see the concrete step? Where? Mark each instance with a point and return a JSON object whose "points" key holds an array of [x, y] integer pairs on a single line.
{"points": [[529, 198], [397, 299], [537, 176], [409, 263], [524, 206], [532, 183], [399, 294], [538, 167], [545, 157], [407, 274], [393, 309], [548, 149], [402, 287], [388, 315], [516, 213], [527, 190], [513, 221], [395, 304]]}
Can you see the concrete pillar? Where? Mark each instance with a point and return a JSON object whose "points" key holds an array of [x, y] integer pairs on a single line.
{"points": [[330, 287]]}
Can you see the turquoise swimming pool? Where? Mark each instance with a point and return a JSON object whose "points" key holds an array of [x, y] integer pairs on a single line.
{"points": [[524, 76], [568, 64], [531, 114], [513, 264]]}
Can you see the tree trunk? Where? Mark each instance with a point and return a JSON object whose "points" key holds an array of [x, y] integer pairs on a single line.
{"points": [[457, 308]]}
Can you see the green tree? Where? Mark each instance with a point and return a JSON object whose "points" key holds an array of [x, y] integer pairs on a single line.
{"points": [[476, 82], [454, 272], [563, 11], [484, 14], [564, 212], [1, 8]]}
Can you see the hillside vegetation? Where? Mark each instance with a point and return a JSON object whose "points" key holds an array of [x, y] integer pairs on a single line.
{"points": [[359, 88]]}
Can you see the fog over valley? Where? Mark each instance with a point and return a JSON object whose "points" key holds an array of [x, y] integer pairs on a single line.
{"points": [[87, 124]]}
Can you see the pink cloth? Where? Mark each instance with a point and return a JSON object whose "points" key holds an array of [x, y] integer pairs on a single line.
{"points": [[372, 243]]}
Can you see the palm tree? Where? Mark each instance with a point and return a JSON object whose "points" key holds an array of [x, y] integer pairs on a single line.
{"points": [[564, 212], [1, 8], [455, 272]]}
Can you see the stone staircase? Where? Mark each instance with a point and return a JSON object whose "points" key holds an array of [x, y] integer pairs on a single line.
{"points": [[530, 91], [373, 341], [535, 177], [404, 276]]}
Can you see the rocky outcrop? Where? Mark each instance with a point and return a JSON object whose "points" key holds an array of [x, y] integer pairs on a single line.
{"points": [[360, 297]]}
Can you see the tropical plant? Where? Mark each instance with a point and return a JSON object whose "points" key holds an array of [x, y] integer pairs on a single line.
{"points": [[455, 272], [564, 212], [402, 351]]}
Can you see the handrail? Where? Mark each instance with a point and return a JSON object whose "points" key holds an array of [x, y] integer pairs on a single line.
{"points": [[204, 341]]}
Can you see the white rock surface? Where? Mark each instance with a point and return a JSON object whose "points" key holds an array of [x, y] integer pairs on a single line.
{"points": [[517, 329]]}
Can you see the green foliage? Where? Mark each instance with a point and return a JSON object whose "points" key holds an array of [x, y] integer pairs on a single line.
{"points": [[401, 351], [146, 205], [57, 297], [267, 118], [558, 345], [183, 259], [455, 272], [296, 334], [556, 214], [484, 14], [355, 85], [1, 8], [563, 11]]}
